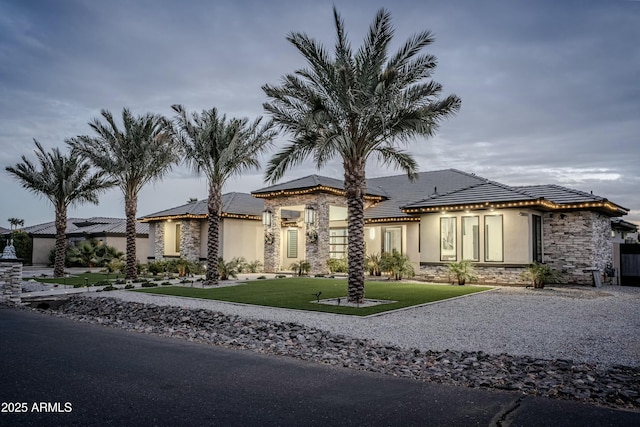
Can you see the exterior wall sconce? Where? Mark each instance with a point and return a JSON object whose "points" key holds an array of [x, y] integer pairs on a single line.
{"points": [[309, 215], [267, 216]]}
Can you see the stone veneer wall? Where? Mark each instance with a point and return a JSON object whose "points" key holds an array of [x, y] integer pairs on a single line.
{"points": [[10, 281], [487, 274], [272, 250], [158, 250], [575, 242], [190, 239], [316, 253]]}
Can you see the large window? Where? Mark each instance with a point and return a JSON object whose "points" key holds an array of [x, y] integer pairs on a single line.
{"points": [[292, 243], [338, 243], [392, 239], [471, 238], [536, 234], [177, 238], [493, 239], [447, 239]]}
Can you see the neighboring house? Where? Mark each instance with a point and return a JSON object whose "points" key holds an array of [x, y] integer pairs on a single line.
{"points": [[110, 231], [441, 217]]}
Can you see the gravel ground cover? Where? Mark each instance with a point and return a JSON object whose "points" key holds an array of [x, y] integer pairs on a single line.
{"points": [[591, 325]]}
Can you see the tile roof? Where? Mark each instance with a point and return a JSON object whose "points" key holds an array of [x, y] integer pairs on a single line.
{"points": [[95, 225], [232, 203], [481, 193], [312, 181], [401, 191]]}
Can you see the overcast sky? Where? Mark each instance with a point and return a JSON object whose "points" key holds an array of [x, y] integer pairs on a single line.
{"points": [[550, 89]]}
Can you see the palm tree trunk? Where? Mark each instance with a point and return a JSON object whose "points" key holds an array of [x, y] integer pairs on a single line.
{"points": [[131, 208], [61, 242], [355, 187], [214, 206]]}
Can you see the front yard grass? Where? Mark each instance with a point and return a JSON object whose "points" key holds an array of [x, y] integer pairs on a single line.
{"points": [[80, 278], [299, 293]]}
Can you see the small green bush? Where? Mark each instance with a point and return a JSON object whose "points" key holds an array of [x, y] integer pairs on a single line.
{"points": [[164, 284], [129, 286], [463, 271], [540, 274], [337, 265], [148, 284], [262, 277], [109, 288]]}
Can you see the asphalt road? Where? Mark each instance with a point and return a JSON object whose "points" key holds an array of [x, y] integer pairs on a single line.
{"points": [[90, 375]]}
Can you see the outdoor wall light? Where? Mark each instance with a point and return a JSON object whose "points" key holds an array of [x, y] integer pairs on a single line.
{"points": [[309, 215], [267, 216]]}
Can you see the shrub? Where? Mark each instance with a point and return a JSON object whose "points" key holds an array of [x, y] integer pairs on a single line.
{"points": [[463, 271], [156, 267], [262, 277], [300, 268], [148, 284], [119, 282], [397, 265], [230, 268], [164, 284], [373, 264], [280, 276], [129, 286], [109, 288], [337, 265], [254, 266], [540, 274], [102, 283]]}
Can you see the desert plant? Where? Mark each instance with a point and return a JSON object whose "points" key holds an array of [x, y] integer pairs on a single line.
{"points": [[397, 265], [337, 265], [540, 274], [373, 264], [463, 271], [300, 268], [116, 266], [227, 269], [254, 266]]}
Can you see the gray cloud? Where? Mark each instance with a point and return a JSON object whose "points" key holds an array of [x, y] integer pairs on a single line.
{"points": [[549, 89]]}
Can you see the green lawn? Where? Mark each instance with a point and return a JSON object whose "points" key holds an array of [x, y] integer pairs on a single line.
{"points": [[79, 279], [298, 293]]}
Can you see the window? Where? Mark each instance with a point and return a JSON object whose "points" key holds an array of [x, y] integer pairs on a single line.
{"points": [[536, 234], [471, 238], [493, 242], [292, 243], [178, 238], [392, 240], [447, 239], [338, 243]]}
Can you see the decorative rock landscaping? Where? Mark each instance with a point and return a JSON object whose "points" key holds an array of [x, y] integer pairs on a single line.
{"points": [[616, 386]]}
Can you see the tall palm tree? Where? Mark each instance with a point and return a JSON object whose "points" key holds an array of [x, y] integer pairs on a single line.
{"points": [[65, 181], [219, 148], [15, 223], [142, 152], [355, 105]]}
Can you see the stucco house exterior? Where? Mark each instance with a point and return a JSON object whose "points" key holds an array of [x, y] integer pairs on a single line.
{"points": [[441, 217], [110, 231]]}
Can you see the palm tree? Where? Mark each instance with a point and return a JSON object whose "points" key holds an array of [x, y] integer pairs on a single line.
{"points": [[15, 223], [142, 152], [353, 106], [65, 181], [219, 148]]}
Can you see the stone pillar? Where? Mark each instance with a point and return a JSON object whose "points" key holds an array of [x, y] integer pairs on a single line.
{"points": [[190, 240], [317, 253], [158, 252], [10, 281], [272, 248]]}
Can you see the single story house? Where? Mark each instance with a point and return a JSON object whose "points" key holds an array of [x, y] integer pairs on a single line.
{"points": [[441, 217], [110, 231]]}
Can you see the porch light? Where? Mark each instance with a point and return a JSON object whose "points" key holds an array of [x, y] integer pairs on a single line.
{"points": [[309, 215], [266, 218]]}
